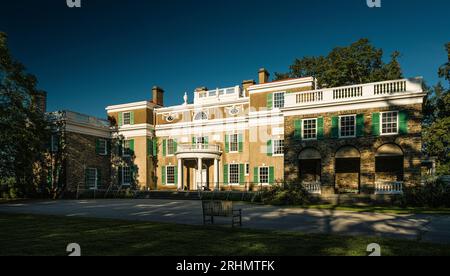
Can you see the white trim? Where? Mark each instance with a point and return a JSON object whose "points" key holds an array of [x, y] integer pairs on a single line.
{"points": [[287, 84], [96, 179], [167, 147], [123, 176], [130, 107], [339, 126], [229, 174], [170, 184], [273, 148], [123, 118], [381, 123], [229, 142], [303, 129], [106, 147], [273, 100], [193, 107]]}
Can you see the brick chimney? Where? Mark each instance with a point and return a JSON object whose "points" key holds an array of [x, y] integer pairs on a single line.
{"points": [[201, 89], [246, 84], [263, 76], [39, 101], [158, 95]]}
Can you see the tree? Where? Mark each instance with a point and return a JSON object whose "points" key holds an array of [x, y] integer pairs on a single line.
{"points": [[24, 130], [437, 120], [358, 63]]}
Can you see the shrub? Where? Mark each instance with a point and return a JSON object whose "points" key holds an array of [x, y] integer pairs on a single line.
{"points": [[288, 193], [434, 193]]}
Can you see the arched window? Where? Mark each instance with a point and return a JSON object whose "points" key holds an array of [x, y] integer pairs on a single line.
{"points": [[200, 116]]}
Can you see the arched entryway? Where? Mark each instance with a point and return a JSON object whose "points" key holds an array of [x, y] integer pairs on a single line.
{"points": [[389, 163], [347, 170], [310, 166]]}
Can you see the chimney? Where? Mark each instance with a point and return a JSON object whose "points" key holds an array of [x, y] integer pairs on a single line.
{"points": [[201, 89], [263, 76], [246, 84], [158, 96], [39, 101]]}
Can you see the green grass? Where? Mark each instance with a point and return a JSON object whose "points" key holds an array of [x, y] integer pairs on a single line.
{"points": [[49, 235]]}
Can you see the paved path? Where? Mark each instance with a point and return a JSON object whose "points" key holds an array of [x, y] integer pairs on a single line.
{"points": [[418, 227]]}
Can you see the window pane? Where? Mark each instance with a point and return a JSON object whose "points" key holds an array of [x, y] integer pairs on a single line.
{"points": [[126, 174], [389, 124], [170, 147], [264, 175], [234, 173], [102, 146], [278, 100], [170, 175], [278, 147], [91, 178], [348, 126], [126, 118], [310, 129], [126, 148], [234, 143]]}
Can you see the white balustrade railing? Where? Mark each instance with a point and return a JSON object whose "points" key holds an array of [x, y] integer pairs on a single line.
{"points": [[313, 187], [197, 147], [376, 90], [389, 188]]}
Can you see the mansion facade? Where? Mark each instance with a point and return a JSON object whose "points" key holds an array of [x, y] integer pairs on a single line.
{"points": [[362, 138]]}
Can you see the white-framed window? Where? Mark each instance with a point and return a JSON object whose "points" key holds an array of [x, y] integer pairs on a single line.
{"points": [[126, 149], [126, 118], [200, 140], [247, 169], [389, 123], [91, 178], [102, 147], [278, 147], [347, 126], [263, 175], [309, 129], [170, 175], [278, 100], [126, 176], [170, 147], [234, 143], [234, 174]]}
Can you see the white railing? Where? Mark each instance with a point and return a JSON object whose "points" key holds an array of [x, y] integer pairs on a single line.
{"points": [[374, 90], [389, 188], [213, 95], [197, 147], [313, 187]]}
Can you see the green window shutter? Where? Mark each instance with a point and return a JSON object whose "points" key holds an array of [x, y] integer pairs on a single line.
{"points": [[403, 122], [335, 127], [376, 124], [131, 118], [176, 175], [269, 148], [163, 175], [241, 142], [132, 146], [242, 174], [164, 147], [256, 175], [225, 174], [119, 176], [120, 119], [271, 175], [193, 141], [155, 147], [206, 141], [320, 134], [99, 178], [227, 144], [97, 146], [298, 129], [360, 125], [269, 101]]}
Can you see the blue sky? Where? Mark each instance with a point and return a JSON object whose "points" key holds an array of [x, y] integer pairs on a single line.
{"points": [[112, 52]]}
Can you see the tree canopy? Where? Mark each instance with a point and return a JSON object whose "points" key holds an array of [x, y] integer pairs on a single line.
{"points": [[24, 130], [357, 63], [437, 119]]}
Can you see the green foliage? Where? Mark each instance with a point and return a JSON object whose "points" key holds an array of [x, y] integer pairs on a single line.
{"points": [[357, 63], [435, 194], [436, 124], [24, 129], [289, 193]]}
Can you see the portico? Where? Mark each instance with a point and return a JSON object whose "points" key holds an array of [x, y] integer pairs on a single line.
{"points": [[198, 166]]}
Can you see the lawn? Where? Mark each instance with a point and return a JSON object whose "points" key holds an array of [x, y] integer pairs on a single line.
{"points": [[382, 209], [49, 235]]}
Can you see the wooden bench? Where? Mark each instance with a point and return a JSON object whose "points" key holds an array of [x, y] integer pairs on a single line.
{"points": [[217, 208]]}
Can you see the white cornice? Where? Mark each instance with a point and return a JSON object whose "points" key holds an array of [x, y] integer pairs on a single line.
{"points": [[277, 85], [192, 107], [130, 106]]}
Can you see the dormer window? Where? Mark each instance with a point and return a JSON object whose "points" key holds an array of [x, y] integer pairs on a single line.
{"points": [[200, 116]]}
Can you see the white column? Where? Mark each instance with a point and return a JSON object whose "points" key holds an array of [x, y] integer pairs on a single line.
{"points": [[200, 171], [180, 174], [216, 174]]}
